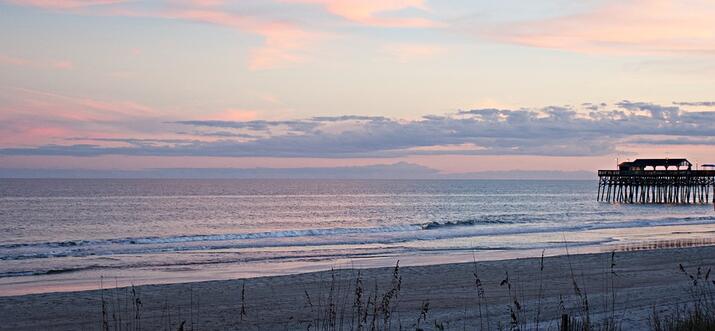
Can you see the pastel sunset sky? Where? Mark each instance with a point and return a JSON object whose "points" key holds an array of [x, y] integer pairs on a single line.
{"points": [[458, 86]]}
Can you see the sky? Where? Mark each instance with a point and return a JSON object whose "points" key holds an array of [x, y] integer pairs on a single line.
{"points": [[457, 86]]}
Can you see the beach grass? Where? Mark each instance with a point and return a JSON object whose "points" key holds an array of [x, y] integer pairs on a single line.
{"points": [[346, 300]]}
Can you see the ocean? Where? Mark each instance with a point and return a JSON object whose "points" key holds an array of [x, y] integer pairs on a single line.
{"points": [[72, 234]]}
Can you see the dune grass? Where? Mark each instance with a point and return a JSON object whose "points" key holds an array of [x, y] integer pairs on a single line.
{"points": [[356, 304]]}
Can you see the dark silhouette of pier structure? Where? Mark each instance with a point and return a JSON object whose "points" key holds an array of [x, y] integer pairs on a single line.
{"points": [[657, 181]]}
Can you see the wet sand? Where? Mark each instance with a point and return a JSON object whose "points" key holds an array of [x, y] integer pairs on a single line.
{"points": [[643, 279], [419, 253]]}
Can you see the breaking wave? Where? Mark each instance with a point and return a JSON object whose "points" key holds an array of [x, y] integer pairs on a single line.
{"points": [[490, 226]]}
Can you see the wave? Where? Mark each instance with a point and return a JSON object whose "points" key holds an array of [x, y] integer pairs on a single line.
{"points": [[41, 272], [515, 224], [220, 237], [469, 222], [78, 244], [515, 218], [182, 263], [481, 220]]}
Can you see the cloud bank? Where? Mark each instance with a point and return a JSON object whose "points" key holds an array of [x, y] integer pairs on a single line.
{"points": [[550, 131]]}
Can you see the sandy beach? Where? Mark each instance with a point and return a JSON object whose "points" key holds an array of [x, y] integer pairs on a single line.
{"points": [[640, 281]]}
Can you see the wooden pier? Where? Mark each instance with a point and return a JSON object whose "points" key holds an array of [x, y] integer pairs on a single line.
{"points": [[632, 183]]}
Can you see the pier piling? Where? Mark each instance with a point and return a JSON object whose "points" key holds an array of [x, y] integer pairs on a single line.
{"points": [[656, 186]]}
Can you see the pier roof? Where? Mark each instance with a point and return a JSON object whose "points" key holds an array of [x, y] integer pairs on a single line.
{"points": [[641, 164]]}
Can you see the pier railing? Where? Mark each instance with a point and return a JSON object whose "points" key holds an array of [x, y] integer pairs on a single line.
{"points": [[669, 173]]}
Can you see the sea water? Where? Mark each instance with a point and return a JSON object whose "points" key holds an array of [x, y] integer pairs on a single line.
{"points": [[65, 234]]}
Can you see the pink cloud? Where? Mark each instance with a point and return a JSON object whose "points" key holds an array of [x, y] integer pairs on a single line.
{"points": [[371, 12], [117, 107], [623, 27], [122, 74], [283, 41], [64, 65], [39, 117], [50, 105], [410, 52], [39, 64], [64, 4], [207, 3], [235, 115], [25, 133], [16, 61]]}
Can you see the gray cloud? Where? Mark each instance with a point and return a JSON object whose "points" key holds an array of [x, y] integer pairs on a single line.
{"points": [[134, 141], [706, 141], [696, 104], [348, 118], [221, 134], [551, 131], [656, 111], [259, 125]]}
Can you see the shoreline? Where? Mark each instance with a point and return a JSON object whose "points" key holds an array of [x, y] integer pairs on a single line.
{"points": [[644, 279], [590, 241]]}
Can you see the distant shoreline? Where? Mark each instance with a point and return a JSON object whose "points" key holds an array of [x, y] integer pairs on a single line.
{"points": [[398, 171]]}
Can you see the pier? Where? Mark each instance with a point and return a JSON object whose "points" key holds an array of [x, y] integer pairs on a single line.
{"points": [[641, 181]]}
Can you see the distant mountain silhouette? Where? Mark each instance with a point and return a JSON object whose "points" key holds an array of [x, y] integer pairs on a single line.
{"points": [[400, 170]]}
